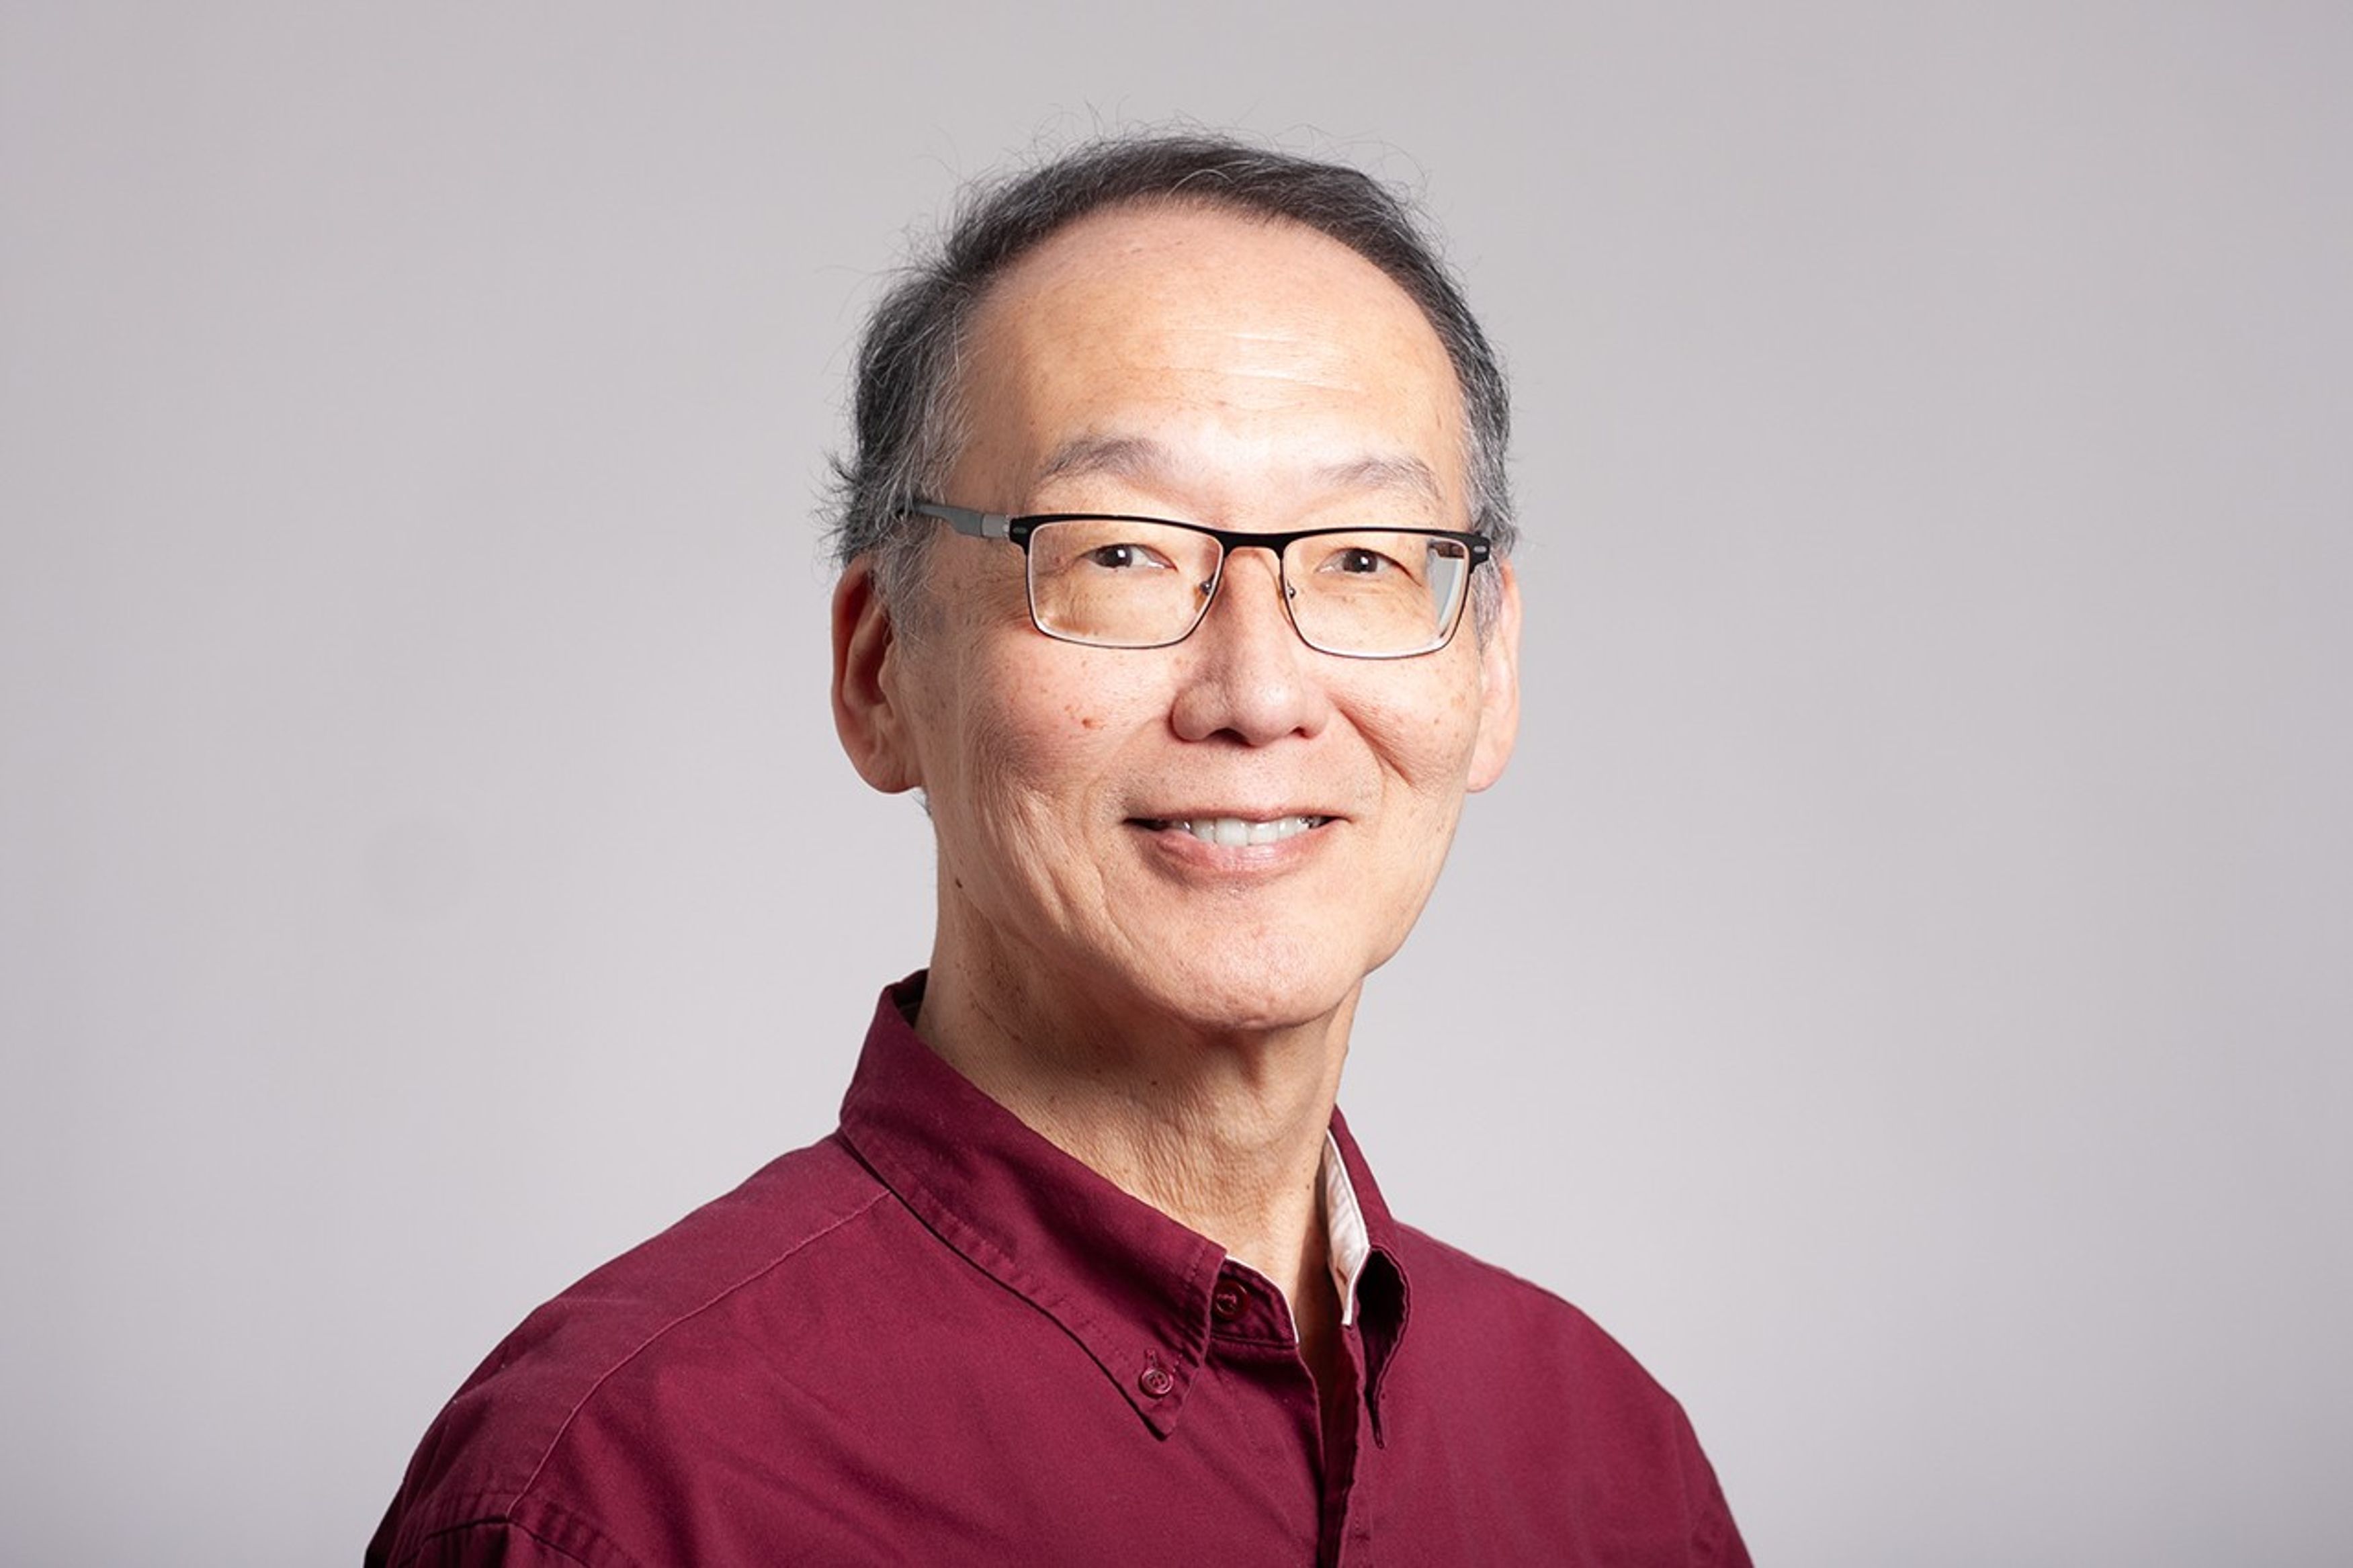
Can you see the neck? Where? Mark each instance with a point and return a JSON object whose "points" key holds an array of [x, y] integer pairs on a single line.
{"points": [[1222, 1130]]}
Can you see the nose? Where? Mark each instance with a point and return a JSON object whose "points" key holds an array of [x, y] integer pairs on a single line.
{"points": [[1246, 673]]}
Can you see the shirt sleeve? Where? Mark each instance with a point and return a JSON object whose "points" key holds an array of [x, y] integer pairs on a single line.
{"points": [[502, 1543], [1715, 1541]]}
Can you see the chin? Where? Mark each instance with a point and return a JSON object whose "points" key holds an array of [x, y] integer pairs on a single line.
{"points": [[1254, 987]]}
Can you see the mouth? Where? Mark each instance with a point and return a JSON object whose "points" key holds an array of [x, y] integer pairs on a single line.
{"points": [[1234, 832]]}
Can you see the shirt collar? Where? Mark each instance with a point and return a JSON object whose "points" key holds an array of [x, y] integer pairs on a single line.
{"points": [[1344, 1223], [1130, 1285]]}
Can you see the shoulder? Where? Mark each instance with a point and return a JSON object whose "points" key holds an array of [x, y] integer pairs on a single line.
{"points": [[656, 1312], [766, 1235], [1470, 1296], [1497, 1365], [1466, 1313]]}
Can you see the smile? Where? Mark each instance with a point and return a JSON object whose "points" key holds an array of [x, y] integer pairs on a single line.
{"points": [[1233, 832]]}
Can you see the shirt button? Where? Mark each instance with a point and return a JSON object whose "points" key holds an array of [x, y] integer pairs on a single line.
{"points": [[1154, 1379], [1228, 1301]]}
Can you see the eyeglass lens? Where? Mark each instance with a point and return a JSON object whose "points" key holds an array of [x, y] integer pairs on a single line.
{"points": [[1117, 583]]}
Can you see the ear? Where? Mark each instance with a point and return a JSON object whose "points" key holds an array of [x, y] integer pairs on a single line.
{"points": [[1499, 684], [866, 660]]}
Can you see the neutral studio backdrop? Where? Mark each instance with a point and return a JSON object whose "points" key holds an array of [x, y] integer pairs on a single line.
{"points": [[1903, 988]]}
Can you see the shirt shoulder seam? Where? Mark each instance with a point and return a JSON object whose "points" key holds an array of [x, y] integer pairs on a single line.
{"points": [[608, 1554], [647, 1343]]}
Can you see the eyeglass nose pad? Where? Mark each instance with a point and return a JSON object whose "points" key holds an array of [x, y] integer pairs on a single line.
{"points": [[1207, 587]]}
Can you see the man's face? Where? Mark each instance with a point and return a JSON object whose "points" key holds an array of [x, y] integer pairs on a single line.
{"points": [[1196, 366]]}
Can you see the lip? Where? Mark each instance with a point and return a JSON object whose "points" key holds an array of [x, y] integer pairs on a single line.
{"points": [[1194, 814], [1253, 839]]}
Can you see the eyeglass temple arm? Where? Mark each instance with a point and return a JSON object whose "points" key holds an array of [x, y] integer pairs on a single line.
{"points": [[964, 519]]}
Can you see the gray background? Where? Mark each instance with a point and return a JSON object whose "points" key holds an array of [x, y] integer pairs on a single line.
{"points": [[1902, 987]]}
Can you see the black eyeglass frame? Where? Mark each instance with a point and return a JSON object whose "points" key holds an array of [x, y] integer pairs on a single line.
{"points": [[977, 524]]}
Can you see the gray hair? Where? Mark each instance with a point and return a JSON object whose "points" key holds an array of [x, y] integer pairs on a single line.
{"points": [[907, 424]]}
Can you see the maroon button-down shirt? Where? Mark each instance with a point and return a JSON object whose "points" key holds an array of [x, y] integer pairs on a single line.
{"points": [[934, 1338]]}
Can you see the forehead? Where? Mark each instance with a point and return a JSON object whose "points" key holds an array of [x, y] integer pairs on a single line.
{"points": [[1195, 338]]}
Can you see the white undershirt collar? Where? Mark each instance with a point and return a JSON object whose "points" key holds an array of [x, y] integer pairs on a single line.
{"points": [[1343, 1221]]}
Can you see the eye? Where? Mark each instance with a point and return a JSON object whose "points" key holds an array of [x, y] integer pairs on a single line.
{"points": [[1359, 559], [1130, 551], [1125, 557]]}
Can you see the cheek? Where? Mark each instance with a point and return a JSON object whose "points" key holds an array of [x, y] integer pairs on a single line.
{"points": [[1427, 737], [1046, 731]]}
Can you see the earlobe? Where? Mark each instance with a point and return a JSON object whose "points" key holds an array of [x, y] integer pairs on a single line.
{"points": [[1499, 683], [865, 713]]}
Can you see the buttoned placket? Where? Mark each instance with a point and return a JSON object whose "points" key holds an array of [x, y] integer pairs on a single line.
{"points": [[1251, 1326], [1370, 1340]]}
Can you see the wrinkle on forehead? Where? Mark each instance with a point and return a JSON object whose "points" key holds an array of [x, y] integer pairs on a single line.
{"points": [[1236, 356], [1142, 459]]}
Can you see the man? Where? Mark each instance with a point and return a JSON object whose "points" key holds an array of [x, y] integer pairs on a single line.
{"points": [[1176, 577]]}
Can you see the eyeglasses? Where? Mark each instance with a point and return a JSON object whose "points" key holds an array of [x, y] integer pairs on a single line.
{"points": [[1145, 582]]}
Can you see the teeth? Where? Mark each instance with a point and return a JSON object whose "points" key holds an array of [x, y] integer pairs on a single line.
{"points": [[1233, 832]]}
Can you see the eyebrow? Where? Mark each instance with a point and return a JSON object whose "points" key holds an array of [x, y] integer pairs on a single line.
{"points": [[1136, 456], [1123, 457], [1410, 475]]}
